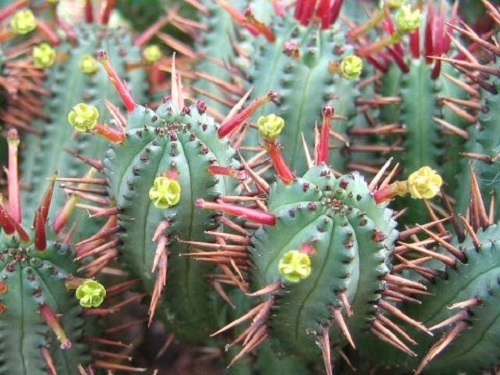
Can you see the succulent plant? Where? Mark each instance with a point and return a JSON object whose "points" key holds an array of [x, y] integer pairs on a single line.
{"points": [[47, 148], [302, 54], [158, 164], [320, 263], [20, 80], [47, 328], [321, 257], [460, 307]]}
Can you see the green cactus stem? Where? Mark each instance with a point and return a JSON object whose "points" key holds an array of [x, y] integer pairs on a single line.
{"points": [[483, 144], [319, 264], [301, 52], [21, 89], [424, 109], [464, 291], [44, 329], [166, 159]]}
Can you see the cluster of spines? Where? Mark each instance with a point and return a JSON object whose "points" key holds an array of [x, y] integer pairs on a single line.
{"points": [[462, 275], [53, 137]]}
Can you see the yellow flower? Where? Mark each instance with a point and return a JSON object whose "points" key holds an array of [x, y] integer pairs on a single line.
{"points": [[407, 19], [88, 64], [152, 53], [394, 4], [270, 126], [44, 55], [295, 266], [83, 117], [23, 22], [351, 67], [91, 293], [424, 183], [165, 192]]}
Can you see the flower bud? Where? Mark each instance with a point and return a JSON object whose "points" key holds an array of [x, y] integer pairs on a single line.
{"points": [[91, 293], [152, 53], [83, 117], [270, 126], [407, 19], [351, 67], [44, 55], [88, 64], [23, 22]]}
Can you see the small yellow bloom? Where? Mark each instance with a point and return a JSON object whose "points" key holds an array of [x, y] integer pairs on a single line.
{"points": [[295, 266], [88, 64], [424, 183], [407, 19], [165, 192], [351, 67], [152, 53], [23, 22], [83, 117], [91, 293], [393, 4], [270, 126], [44, 55]]}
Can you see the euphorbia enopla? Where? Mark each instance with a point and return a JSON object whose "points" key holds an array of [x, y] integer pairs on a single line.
{"points": [[424, 112], [301, 51], [159, 162], [316, 251], [51, 329]]}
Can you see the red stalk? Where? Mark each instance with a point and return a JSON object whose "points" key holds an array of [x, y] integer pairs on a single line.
{"points": [[263, 29], [304, 11], [233, 123], [111, 134], [334, 13], [238, 17], [6, 222], [110, 5], [40, 241], [323, 12], [50, 318], [47, 199], [324, 138], [252, 214], [282, 170], [447, 34], [13, 177], [439, 32], [49, 33], [89, 14], [415, 43], [122, 90], [227, 171], [10, 225], [399, 60], [436, 69], [11, 9], [428, 43], [378, 64]]}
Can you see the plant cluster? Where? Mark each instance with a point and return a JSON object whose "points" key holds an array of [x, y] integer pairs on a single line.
{"points": [[294, 186]]}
